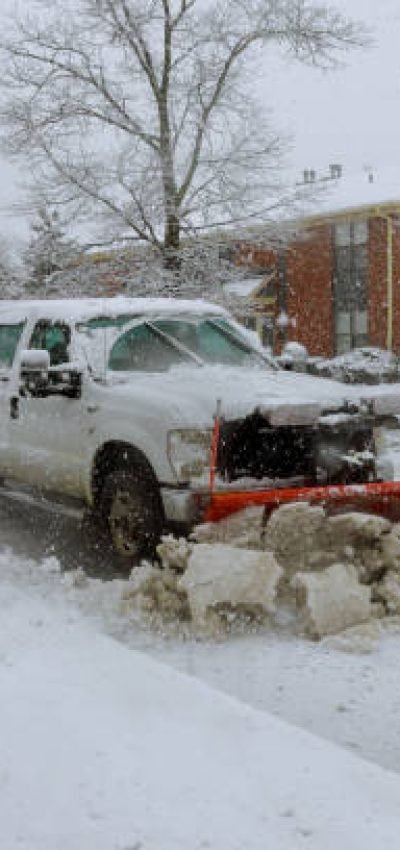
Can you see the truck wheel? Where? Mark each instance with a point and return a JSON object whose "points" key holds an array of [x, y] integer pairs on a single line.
{"points": [[131, 508]]}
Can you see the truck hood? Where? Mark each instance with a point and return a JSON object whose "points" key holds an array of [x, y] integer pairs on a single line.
{"points": [[190, 396]]}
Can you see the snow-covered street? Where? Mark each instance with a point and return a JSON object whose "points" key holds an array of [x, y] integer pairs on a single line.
{"points": [[103, 747]]}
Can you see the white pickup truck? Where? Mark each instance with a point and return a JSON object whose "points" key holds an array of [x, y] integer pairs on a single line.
{"points": [[111, 403]]}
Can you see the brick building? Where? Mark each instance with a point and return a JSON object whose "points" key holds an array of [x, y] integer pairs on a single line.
{"points": [[335, 285]]}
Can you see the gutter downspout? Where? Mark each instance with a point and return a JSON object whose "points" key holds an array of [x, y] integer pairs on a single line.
{"points": [[388, 218], [389, 283]]}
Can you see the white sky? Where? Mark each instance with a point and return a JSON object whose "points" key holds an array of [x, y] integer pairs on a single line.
{"points": [[349, 116]]}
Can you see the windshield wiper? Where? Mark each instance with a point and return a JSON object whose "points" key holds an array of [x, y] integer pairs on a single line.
{"points": [[172, 341]]}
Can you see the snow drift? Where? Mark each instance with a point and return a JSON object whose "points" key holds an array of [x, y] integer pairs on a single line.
{"points": [[329, 572]]}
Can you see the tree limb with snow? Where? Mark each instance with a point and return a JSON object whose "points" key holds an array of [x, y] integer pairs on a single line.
{"points": [[142, 113]]}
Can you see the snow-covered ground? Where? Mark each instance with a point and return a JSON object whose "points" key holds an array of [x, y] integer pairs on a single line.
{"points": [[116, 737], [104, 748]]}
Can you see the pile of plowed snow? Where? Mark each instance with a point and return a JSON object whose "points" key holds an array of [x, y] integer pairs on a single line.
{"points": [[320, 574]]}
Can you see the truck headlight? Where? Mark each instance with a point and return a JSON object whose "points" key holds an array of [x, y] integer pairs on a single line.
{"points": [[189, 452]]}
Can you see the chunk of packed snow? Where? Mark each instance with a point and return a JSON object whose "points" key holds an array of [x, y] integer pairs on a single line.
{"points": [[222, 575], [156, 594], [362, 639], [295, 533], [389, 547], [243, 529], [388, 590], [364, 535], [357, 527], [174, 552], [332, 600]]}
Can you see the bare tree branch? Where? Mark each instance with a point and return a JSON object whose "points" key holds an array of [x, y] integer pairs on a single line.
{"points": [[143, 111]]}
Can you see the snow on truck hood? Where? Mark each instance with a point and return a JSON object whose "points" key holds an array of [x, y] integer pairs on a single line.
{"points": [[192, 393]]}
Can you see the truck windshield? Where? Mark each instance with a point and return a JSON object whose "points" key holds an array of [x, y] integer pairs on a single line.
{"points": [[213, 340], [104, 345], [156, 344], [142, 349]]}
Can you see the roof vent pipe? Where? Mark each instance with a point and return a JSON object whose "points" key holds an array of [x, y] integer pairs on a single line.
{"points": [[335, 171]]}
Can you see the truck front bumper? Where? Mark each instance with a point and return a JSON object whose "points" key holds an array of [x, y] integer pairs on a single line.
{"points": [[189, 508], [186, 507]]}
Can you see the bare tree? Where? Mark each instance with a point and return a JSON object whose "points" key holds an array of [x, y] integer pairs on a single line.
{"points": [[142, 110]]}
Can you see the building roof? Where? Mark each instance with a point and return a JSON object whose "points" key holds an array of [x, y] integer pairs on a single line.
{"points": [[354, 192]]}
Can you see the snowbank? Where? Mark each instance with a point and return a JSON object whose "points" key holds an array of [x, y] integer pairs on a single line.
{"points": [[332, 572]]}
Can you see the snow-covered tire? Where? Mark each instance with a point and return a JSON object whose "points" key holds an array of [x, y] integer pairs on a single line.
{"points": [[131, 511]]}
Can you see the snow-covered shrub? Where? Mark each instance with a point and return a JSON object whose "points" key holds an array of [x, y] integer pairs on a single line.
{"points": [[366, 365], [294, 356], [360, 366]]}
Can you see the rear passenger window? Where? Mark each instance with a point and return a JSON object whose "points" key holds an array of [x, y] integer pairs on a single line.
{"points": [[9, 338]]}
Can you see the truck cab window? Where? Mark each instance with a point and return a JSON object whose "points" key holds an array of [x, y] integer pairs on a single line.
{"points": [[55, 337], [9, 339]]}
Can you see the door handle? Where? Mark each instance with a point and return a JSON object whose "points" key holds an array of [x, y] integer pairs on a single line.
{"points": [[14, 407]]}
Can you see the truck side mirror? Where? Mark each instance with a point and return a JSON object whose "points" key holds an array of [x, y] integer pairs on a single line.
{"points": [[39, 379], [34, 370]]}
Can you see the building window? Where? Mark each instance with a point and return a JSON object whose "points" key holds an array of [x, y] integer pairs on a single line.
{"points": [[351, 285]]}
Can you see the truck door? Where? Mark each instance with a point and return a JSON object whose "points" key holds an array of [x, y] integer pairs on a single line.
{"points": [[46, 435]]}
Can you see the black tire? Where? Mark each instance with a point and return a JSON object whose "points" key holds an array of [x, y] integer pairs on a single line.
{"points": [[130, 509]]}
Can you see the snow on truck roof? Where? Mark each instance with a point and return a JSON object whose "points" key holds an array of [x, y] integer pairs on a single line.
{"points": [[84, 309]]}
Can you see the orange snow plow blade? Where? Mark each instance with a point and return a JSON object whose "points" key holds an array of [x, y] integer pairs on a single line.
{"points": [[378, 497]]}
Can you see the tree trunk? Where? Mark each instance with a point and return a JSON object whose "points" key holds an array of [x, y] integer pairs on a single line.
{"points": [[172, 242]]}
